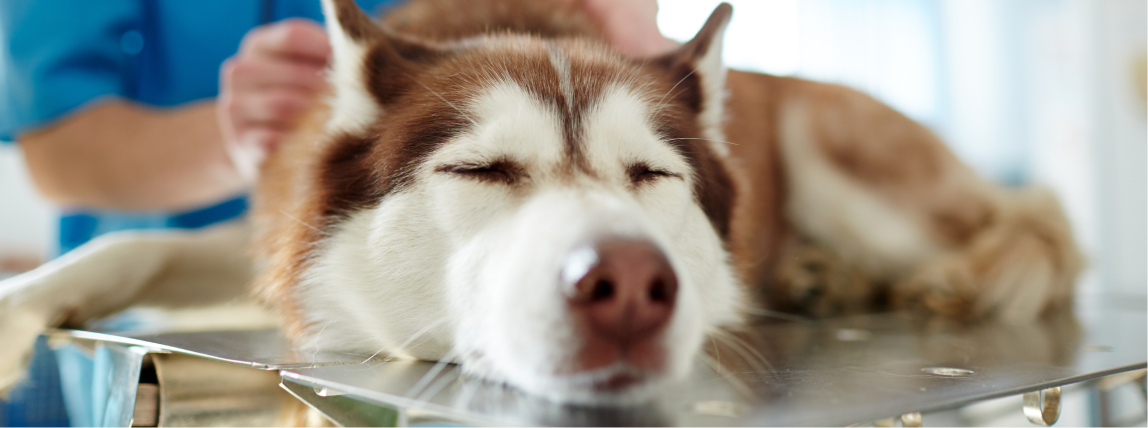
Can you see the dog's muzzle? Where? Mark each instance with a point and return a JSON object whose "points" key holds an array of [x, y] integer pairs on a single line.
{"points": [[621, 295]]}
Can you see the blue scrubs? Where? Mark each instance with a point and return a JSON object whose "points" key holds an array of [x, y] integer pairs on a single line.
{"points": [[64, 56]]}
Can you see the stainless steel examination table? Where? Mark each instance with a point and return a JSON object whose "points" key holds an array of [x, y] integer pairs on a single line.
{"points": [[875, 369]]}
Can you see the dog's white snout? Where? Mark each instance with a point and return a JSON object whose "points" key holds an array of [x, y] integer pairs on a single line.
{"points": [[621, 294], [578, 293]]}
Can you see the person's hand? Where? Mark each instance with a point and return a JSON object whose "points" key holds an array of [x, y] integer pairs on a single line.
{"points": [[630, 25], [267, 86]]}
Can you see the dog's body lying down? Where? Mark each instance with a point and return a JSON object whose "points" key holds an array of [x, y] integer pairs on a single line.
{"points": [[493, 185]]}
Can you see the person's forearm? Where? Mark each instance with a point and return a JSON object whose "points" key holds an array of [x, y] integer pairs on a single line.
{"points": [[120, 155]]}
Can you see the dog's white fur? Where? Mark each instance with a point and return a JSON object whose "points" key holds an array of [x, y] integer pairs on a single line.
{"points": [[352, 108], [712, 71]]}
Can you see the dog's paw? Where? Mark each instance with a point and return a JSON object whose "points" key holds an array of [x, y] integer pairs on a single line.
{"points": [[813, 280], [944, 286], [19, 329], [1014, 275]]}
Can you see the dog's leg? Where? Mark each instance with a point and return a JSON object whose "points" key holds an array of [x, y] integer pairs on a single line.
{"points": [[811, 278], [1019, 266], [168, 269], [886, 195]]}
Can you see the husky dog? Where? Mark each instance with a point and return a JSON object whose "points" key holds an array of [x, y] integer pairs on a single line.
{"points": [[492, 184]]}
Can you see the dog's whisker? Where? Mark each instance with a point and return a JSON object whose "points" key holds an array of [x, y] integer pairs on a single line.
{"points": [[285, 214], [749, 348], [733, 380], [662, 105], [374, 355], [745, 357], [463, 113], [663, 100], [315, 342], [776, 314], [704, 139], [426, 329], [750, 356], [416, 345]]}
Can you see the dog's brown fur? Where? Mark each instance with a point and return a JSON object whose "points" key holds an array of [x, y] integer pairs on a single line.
{"points": [[987, 233], [988, 229]]}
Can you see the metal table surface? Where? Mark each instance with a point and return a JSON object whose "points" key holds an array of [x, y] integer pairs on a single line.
{"points": [[827, 372], [260, 349]]}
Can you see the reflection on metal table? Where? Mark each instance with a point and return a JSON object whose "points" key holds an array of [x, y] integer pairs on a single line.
{"points": [[828, 372]]}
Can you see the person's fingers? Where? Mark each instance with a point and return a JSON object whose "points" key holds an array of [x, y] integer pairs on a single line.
{"points": [[263, 141], [296, 39], [240, 74], [268, 86], [255, 124], [250, 149], [278, 108]]}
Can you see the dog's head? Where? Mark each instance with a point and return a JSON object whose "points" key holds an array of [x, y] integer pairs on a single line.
{"points": [[546, 213]]}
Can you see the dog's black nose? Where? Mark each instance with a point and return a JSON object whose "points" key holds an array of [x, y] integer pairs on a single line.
{"points": [[623, 299]]}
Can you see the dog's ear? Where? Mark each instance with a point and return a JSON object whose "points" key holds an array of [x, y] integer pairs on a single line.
{"points": [[700, 74], [369, 65], [351, 34]]}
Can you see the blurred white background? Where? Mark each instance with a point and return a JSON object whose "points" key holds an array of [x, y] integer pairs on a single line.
{"points": [[1044, 91]]}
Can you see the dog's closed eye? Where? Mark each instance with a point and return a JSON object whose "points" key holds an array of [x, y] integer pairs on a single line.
{"points": [[641, 173], [500, 171]]}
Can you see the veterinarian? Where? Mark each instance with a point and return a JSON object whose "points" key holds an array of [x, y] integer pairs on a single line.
{"points": [[141, 114]]}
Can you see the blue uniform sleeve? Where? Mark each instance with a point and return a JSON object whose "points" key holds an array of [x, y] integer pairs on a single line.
{"points": [[59, 56]]}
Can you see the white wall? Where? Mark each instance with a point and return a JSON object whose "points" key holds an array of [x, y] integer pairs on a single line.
{"points": [[1121, 132], [27, 221]]}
